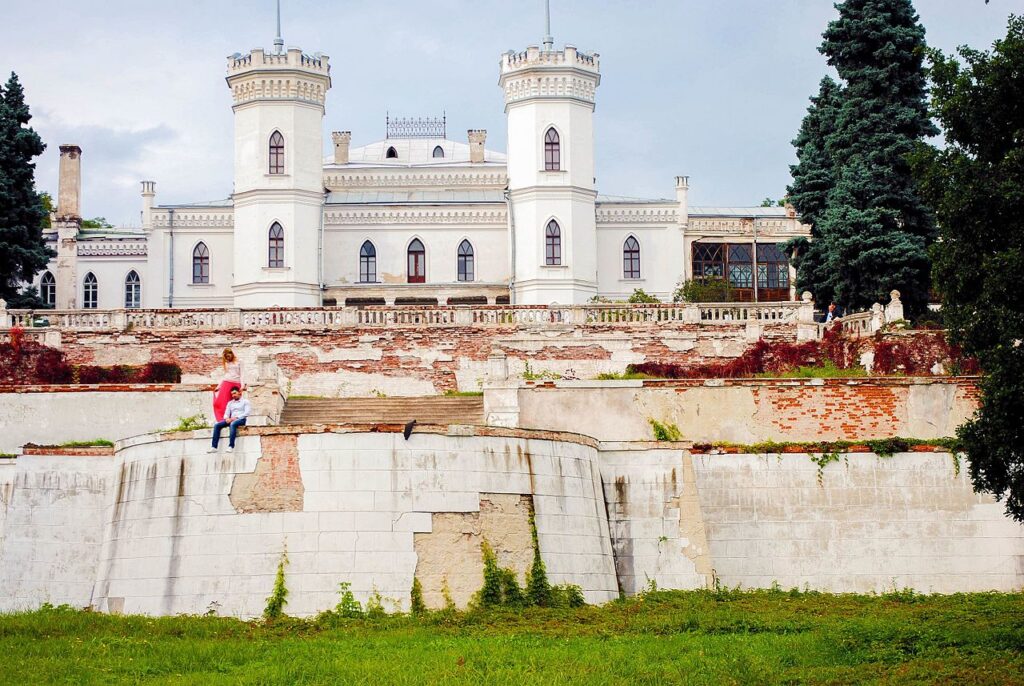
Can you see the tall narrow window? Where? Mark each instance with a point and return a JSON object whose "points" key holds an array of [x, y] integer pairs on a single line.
{"points": [[392, 154], [90, 292], [367, 263], [552, 151], [132, 290], [553, 244], [417, 262], [466, 266], [48, 289], [439, 151], [275, 247], [201, 264], [631, 259], [276, 153]]}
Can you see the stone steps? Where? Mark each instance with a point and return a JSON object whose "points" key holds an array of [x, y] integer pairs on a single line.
{"points": [[425, 410]]}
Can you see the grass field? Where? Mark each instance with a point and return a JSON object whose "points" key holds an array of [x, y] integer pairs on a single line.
{"points": [[661, 638]]}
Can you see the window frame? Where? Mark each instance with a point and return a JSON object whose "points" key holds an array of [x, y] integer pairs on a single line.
{"points": [[132, 291], [275, 246], [201, 259], [631, 258], [553, 244], [367, 262], [466, 262], [416, 262], [275, 152], [48, 289], [391, 153], [552, 150], [437, 149], [90, 292]]}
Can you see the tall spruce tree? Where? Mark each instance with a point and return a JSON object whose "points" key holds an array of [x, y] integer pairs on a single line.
{"points": [[976, 184], [871, 231], [23, 251]]}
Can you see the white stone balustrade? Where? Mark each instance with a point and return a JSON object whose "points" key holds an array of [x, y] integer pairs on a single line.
{"points": [[389, 316]]}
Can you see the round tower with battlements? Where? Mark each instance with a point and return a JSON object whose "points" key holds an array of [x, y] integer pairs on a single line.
{"points": [[549, 103], [278, 192]]}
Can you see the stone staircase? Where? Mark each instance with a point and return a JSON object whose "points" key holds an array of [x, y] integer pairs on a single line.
{"points": [[441, 410]]}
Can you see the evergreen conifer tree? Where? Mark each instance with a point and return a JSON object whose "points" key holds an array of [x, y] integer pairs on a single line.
{"points": [[871, 231], [23, 251]]}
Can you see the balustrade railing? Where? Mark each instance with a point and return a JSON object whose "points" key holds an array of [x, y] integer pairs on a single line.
{"points": [[388, 316]]}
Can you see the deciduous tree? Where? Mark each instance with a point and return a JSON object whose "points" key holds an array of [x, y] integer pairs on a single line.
{"points": [[976, 184]]}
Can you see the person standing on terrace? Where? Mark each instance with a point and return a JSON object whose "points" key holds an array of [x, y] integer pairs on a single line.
{"points": [[232, 379]]}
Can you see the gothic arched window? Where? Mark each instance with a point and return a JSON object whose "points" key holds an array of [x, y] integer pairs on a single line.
{"points": [[90, 292], [417, 262], [439, 151], [631, 259], [552, 151], [466, 261], [132, 290], [275, 247], [391, 154], [48, 289], [201, 264], [276, 153], [553, 244], [367, 263]]}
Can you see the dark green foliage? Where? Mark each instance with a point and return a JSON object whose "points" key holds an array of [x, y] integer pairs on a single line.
{"points": [[500, 589], [853, 181], [703, 290], [567, 596], [416, 604], [976, 185], [96, 223], [27, 299], [23, 251], [538, 590], [640, 296]]}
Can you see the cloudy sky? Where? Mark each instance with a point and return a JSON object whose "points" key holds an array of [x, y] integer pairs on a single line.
{"points": [[710, 88]]}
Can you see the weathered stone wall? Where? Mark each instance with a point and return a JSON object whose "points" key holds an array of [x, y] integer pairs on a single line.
{"points": [[754, 410], [51, 527], [187, 530], [872, 524], [416, 360], [52, 415]]}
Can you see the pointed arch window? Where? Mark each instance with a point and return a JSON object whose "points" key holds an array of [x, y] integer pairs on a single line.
{"points": [[438, 152], [367, 263], [201, 264], [417, 262], [276, 153], [48, 289], [466, 258], [553, 244], [391, 154], [90, 292], [275, 247], [552, 151], [132, 291], [631, 259]]}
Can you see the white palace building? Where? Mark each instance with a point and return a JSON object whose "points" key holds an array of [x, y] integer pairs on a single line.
{"points": [[416, 218]]}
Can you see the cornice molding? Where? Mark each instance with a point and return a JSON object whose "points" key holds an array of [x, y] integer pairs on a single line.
{"points": [[349, 180], [636, 215], [420, 216]]}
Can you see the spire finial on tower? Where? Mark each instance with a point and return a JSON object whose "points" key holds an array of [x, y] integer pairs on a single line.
{"points": [[549, 42], [278, 41]]}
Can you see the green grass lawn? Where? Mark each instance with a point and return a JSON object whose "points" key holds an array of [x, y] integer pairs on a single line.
{"points": [[661, 638]]}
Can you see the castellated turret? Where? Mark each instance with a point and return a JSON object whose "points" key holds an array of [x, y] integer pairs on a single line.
{"points": [[549, 103], [278, 191]]}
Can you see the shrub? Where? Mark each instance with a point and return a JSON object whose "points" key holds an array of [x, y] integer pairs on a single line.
{"points": [[665, 432], [708, 289], [347, 605], [640, 296], [279, 596], [416, 604]]}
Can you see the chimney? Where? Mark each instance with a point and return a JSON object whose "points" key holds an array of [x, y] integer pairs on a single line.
{"points": [[682, 197], [477, 138], [341, 142], [148, 194], [69, 184]]}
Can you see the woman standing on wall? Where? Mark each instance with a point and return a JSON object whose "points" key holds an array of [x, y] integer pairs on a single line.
{"points": [[232, 379]]}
